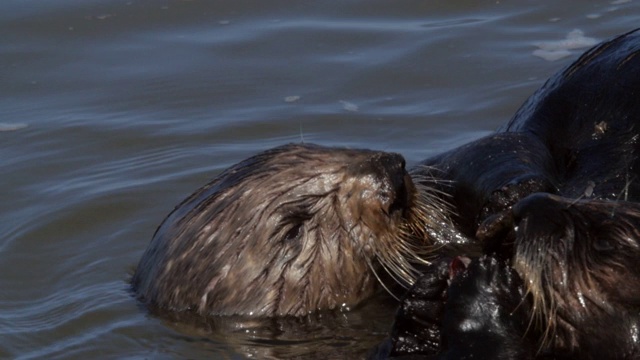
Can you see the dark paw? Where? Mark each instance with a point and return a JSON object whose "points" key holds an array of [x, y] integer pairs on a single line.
{"points": [[486, 280], [417, 324], [463, 308], [497, 235], [487, 313], [518, 188]]}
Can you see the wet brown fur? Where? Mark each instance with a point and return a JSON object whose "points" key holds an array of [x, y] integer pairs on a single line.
{"points": [[292, 230]]}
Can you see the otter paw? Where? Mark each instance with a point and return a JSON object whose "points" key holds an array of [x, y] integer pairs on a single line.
{"points": [[416, 329], [486, 314], [520, 187]]}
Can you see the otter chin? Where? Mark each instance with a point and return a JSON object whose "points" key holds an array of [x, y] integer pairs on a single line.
{"points": [[290, 231]]}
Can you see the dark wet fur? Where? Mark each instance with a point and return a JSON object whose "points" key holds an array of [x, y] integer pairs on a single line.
{"points": [[587, 272], [574, 248]]}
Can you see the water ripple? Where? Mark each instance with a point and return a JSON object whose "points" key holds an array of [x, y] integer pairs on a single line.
{"points": [[132, 105]]}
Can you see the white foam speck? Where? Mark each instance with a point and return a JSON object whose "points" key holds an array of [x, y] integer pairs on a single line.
{"points": [[12, 127], [618, 2], [551, 55], [349, 106], [558, 49], [104, 16], [292, 98], [594, 16]]}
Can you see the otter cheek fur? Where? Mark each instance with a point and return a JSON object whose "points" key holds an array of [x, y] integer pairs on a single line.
{"points": [[585, 277], [292, 230]]}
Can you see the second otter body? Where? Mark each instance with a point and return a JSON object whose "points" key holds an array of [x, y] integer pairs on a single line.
{"points": [[554, 195], [577, 136], [569, 290]]}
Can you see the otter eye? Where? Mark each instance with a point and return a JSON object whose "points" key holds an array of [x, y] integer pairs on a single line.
{"points": [[294, 233], [601, 244], [293, 218], [293, 224]]}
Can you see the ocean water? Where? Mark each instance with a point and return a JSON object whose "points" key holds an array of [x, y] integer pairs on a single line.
{"points": [[111, 112]]}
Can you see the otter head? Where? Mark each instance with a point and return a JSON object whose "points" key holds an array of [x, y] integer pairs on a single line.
{"points": [[294, 229], [579, 262]]}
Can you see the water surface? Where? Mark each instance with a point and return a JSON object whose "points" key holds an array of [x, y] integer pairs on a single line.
{"points": [[111, 112]]}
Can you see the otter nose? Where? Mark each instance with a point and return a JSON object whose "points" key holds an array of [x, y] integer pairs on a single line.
{"points": [[382, 165], [398, 176], [393, 170], [539, 207], [392, 183], [392, 167], [390, 160], [542, 215]]}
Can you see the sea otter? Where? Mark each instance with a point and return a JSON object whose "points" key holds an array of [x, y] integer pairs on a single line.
{"points": [[293, 230], [302, 228], [568, 292], [562, 225]]}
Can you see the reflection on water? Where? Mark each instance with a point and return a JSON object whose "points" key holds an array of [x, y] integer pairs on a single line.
{"points": [[326, 335], [111, 112]]}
